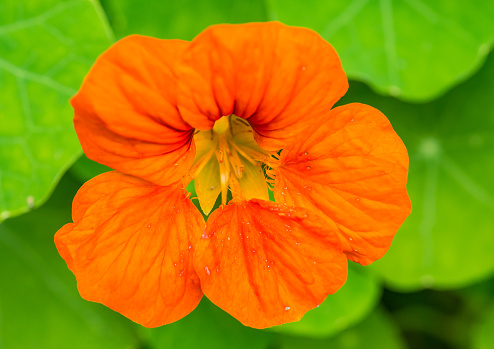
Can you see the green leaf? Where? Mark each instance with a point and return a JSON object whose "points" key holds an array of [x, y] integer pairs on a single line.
{"points": [[448, 239], [84, 169], [483, 334], [414, 49], [178, 19], [46, 48], [376, 331], [350, 304], [39, 303], [207, 327]]}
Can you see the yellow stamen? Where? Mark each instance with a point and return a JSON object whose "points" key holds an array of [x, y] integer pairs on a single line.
{"points": [[232, 142], [244, 154], [236, 162], [199, 165], [225, 179]]}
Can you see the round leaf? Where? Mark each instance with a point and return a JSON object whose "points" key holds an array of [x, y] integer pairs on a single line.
{"points": [[207, 327], [375, 332], [346, 307], [46, 48], [39, 302], [483, 335], [414, 49], [178, 19], [448, 239]]}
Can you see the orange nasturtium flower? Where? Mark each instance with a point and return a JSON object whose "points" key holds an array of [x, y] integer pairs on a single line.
{"points": [[218, 110]]}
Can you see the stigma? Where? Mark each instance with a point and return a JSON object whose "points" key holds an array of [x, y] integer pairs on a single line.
{"points": [[228, 158]]}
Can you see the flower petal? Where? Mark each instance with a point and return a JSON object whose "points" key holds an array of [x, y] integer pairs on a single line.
{"points": [[263, 264], [278, 77], [253, 181], [130, 248], [207, 181], [353, 170], [126, 115]]}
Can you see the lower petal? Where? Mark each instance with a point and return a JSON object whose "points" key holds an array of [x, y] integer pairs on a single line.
{"points": [[130, 248], [353, 171], [262, 264]]}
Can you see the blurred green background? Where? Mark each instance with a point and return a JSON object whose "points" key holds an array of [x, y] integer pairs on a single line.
{"points": [[425, 64]]}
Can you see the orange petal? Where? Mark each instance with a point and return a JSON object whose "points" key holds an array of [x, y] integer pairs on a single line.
{"points": [[278, 77], [353, 170], [130, 248], [262, 264], [126, 115]]}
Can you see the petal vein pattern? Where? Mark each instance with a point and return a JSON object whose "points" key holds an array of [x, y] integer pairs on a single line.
{"points": [[352, 170], [279, 78], [265, 265], [132, 124], [131, 245], [218, 110]]}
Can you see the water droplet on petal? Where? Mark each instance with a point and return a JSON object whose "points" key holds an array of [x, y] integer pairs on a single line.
{"points": [[287, 308], [207, 271]]}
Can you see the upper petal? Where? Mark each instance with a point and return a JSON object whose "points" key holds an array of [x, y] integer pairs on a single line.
{"points": [[130, 248], [278, 77], [126, 115], [353, 171], [263, 264]]}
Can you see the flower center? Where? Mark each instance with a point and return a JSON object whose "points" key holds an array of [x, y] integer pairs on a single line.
{"points": [[228, 157]]}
